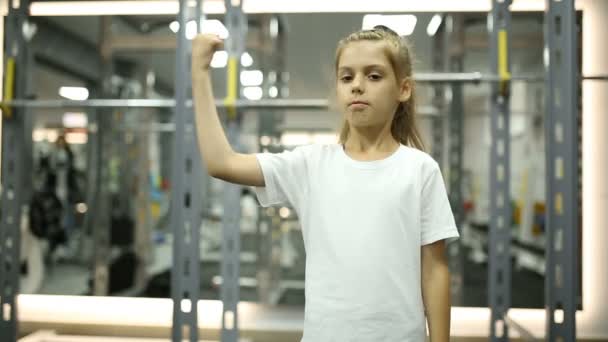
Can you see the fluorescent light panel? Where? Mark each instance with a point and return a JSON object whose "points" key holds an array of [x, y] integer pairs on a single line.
{"points": [[209, 26], [76, 138], [402, 24], [246, 60], [75, 120], [253, 93], [42, 134], [273, 92], [83, 8], [74, 93], [434, 24], [252, 78]]}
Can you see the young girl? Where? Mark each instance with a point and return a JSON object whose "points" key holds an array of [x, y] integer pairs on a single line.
{"points": [[373, 209]]}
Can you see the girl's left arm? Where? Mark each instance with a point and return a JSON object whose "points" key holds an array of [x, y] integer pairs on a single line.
{"points": [[436, 290]]}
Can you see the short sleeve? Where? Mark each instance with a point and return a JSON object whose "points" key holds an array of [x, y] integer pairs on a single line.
{"points": [[285, 177], [436, 217]]}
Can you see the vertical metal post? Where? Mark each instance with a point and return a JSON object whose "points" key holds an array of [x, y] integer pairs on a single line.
{"points": [[269, 227], [456, 141], [231, 239], [28, 124], [13, 141], [101, 231], [143, 242], [231, 247], [186, 200], [499, 277], [438, 94], [561, 134], [92, 172], [455, 156]]}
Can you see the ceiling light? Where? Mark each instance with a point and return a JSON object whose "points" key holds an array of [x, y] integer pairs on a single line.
{"points": [[274, 27], [284, 212], [174, 26], [76, 138], [273, 92], [403, 25], [74, 93], [191, 29], [253, 93], [75, 120], [246, 60], [434, 25], [252, 77], [215, 26]]}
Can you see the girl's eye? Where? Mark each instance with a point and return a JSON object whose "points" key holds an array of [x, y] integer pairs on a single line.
{"points": [[375, 77], [346, 78]]}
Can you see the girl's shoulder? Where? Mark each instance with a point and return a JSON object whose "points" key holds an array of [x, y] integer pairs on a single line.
{"points": [[419, 159], [418, 155]]}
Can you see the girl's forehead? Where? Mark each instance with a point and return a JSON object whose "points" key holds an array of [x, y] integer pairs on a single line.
{"points": [[363, 53]]}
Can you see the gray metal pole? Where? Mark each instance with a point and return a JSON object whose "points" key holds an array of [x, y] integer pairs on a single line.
{"points": [[186, 201], [93, 170], [455, 156], [302, 104], [499, 277], [561, 134], [439, 48], [13, 142], [236, 23], [231, 250], [102, 226]]}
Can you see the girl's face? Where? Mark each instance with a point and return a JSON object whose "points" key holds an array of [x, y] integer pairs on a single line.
{"points": [[368, 91]]}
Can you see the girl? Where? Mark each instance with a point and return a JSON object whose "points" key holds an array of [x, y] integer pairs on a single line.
{"points": [[373, 209]]}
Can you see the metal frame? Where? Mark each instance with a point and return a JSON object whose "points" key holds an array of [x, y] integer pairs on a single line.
{"points": [[13, 146], [186, 214], [561, 134], [499, 275], [236, 23], [437, 129], [455, 156], [101, 233], [231, 251]]}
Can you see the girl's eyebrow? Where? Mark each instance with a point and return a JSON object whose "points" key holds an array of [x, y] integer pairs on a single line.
{"points": [[367, 67]]}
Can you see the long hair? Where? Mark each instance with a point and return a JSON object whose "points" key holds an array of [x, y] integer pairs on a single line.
{"points": [[403, 127]]}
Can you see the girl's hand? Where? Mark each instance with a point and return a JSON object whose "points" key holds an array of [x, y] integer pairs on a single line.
{"points": [[203, 48]]}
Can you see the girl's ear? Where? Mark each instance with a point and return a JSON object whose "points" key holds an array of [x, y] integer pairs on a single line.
{"points": [[405, 89]]}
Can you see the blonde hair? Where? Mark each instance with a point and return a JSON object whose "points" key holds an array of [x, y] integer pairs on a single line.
{"points": [[403, 127]]}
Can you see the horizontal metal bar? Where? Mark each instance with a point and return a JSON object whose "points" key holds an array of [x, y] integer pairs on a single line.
{"points": [[471, 77], [477, 77], [302, 104], [168, 103], [298, 104], [99, 103], [596, 78], [253, 282]]}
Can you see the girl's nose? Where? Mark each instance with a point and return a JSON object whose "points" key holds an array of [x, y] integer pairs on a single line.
{"points": [[357, 85]]}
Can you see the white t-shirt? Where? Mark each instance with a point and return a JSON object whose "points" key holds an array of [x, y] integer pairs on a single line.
{"points": [[363, 223]]}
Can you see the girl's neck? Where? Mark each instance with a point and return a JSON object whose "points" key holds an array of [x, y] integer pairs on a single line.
{"points": [[359, 141]]}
